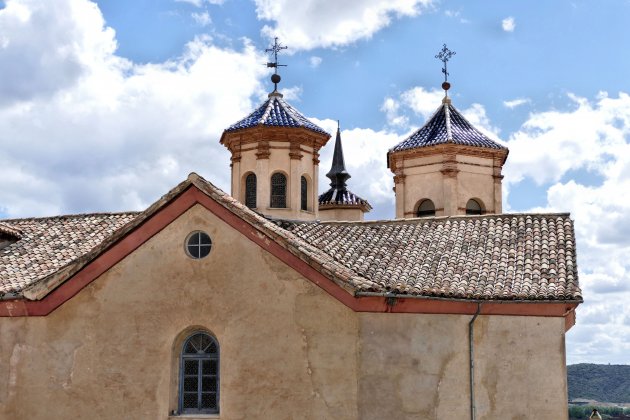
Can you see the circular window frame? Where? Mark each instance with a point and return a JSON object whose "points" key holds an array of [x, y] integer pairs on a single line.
{"points": [[187, 244]]}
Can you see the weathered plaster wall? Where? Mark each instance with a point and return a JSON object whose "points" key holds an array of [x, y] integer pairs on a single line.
{"points": [[448, 183], [341, 214], [288, 350], [417, 367], [279, 160]]}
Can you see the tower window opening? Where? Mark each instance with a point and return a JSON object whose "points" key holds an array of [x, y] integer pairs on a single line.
{"points": [[426, 209], [303, 193], [473, 207], [278, 190], [250, 191]]}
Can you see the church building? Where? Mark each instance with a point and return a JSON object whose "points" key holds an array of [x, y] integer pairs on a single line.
{"points": [[273, 301]]}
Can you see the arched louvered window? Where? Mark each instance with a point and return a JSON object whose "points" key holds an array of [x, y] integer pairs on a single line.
{"points": [[425, 208], [278, 190], [473, 207], [303, 193], [199, 375], [250, 191]]}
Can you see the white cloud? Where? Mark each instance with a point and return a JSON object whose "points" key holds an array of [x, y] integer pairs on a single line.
{"points": [[87, 130], [508, 24], [202, 19], [315, 61], [391, 109], [592, 138], [200, 3], [456, 14], [516, 102], [310, 24], [422, 101]]}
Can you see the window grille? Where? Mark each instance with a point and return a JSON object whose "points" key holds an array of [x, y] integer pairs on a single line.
{"points": [[473, 207], [426, 208], [278, 190], [198, 244], [250, 191], [303, 193], [199, 375]]}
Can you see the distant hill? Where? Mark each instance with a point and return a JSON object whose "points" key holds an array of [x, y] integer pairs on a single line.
{"points": [[606, 383]]}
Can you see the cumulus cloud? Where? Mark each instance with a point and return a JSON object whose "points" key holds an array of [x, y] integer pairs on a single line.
{"points": [[328, 23], [315, 61], [508, 24], [202, 19], [49, 47], [200, 3], [391, 108], [516, 102], [591, 138], [89, 138]]}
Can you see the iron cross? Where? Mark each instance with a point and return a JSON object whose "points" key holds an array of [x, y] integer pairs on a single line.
{"points": [[444, 55], [275, 49]]}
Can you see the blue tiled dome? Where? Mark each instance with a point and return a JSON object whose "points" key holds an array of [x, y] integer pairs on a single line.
{"points": [[275, 112], [344, 197], [447, 125]]}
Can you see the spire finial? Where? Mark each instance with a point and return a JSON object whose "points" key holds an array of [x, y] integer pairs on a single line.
{"points": [[338, 174], [444, 55], [275, 49]]}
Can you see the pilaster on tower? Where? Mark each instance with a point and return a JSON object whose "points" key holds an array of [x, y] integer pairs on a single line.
{"points": [[447, 167], [275, 157]]}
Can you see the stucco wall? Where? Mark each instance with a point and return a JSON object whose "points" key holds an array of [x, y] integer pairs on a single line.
{"points": [[278, 161], [417, 367], [287, 348], [468, 177], [341, 214]]}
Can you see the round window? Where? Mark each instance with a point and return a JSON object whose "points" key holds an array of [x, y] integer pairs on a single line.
{"points": [[198, 245]]}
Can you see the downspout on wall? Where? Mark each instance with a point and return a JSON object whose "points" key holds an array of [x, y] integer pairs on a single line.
{"points": [[471, 334]]}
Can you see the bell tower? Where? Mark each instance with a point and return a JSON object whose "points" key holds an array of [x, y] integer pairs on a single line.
{"points": [[275, 156], [447, 167]]}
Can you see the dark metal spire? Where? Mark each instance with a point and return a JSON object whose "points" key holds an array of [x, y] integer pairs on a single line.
{"points": [[275, 49], [338, 174], [444, 55]]}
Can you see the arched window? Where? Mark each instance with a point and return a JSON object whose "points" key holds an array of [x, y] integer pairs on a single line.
{"points": [[426, 208], [278, 190], [473, 207], [250, 191], [199, 375], [303, 193]]}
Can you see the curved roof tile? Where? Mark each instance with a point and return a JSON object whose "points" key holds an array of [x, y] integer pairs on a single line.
{"points": [[275, 112], [447, 125]]}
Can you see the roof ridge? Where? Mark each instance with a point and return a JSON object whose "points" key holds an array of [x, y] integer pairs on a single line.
{"points": [[288, 109], [446, 218], [268, 108], [72, 215], [447, 118]]}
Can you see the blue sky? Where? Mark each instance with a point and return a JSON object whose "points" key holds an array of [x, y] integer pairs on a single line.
{"points": [[105, 106]]}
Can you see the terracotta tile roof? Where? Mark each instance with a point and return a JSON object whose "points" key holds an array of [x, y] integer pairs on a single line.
{"points": [[10, 231], [48, 244], [502, 257], [507, 256], [447, 125]]}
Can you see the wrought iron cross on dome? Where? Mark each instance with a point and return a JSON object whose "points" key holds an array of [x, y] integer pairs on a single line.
{"points": [[444, 55], [275, 49]]}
